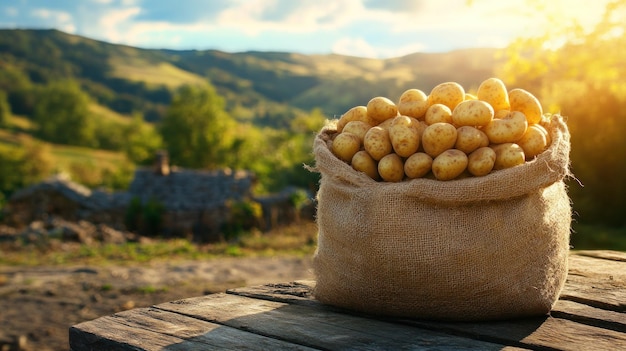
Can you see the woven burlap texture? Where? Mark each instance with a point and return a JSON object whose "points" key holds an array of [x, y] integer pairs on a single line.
{"points": [[478, 248]]}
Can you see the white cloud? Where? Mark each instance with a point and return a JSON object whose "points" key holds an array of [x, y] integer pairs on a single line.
{"points": [[11, 11], [361, 47], [56, 19], [354, 47]]}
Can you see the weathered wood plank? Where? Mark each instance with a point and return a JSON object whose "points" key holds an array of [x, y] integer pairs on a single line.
{"points": [[590, 315], [536, 333], [154, 329], [597, 280], [576, 324], [604, 254], [317, 327]]}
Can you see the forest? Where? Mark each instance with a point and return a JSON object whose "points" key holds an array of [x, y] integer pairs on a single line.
{"points": [[96, 110]]}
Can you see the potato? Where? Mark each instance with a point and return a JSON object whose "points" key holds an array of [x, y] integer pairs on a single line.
{"points": [[472, 113], [448, 93], [544, 129], [469, 96], [438, 137], [494, 92], [386, 124], [438, 113], [357, 113], [508, 129], [391, 168], [469, 139], [381, 108], [363, 162], [449, 164], [377, 143], [413, 103], [481, 161], [508, 155], [501, 114], [534, 141], [526, 103], [345, 145], [417, 165], [404, 135], [358, 128]]}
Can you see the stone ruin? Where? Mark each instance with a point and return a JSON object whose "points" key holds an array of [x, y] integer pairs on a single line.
{"points": [[192, 203]]}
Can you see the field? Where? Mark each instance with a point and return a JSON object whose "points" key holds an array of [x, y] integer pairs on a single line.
{"points": [[46, 288]]}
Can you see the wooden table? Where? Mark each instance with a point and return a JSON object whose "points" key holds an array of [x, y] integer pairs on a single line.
{"points": [[590, 315]]}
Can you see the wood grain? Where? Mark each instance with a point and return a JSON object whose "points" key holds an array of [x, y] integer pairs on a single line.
{"points": [[590, 315]]}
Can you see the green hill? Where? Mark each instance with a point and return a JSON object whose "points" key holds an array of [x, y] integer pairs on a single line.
{"points": [[268, 88]]}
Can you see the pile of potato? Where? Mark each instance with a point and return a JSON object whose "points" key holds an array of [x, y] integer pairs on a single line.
{"points": [[448, 134]]}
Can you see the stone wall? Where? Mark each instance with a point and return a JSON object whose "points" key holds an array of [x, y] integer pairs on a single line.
{"points": [[195, 204]]}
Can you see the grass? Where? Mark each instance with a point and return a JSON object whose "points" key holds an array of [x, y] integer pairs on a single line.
{"points": [[295, 240], [154, 74]]}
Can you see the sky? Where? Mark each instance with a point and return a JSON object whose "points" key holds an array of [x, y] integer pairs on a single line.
{"points": [[364, 28]]}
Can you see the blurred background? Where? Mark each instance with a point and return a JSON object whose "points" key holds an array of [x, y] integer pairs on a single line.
{"points": [[93, 91], [156, 150]]}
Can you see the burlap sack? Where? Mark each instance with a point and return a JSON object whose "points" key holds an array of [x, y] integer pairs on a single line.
{"points": [[480, 248]]}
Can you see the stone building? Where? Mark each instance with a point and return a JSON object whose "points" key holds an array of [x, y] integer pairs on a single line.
{"points": [[182, 202]]}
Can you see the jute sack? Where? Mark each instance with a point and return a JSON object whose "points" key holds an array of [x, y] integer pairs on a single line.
{"points": [[480, 248]]}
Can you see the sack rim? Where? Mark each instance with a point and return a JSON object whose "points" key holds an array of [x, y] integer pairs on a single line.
{"points": [[552, 165]]}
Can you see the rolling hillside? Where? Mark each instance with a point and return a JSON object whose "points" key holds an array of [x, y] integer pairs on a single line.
{"points": [[265, 87]]}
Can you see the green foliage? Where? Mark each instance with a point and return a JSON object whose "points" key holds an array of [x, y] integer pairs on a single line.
{"points": [[243, 216], [145, 218], [5, 109], [21, 167], [583, 80], [142, 140], [196, 129], [62, 114]]}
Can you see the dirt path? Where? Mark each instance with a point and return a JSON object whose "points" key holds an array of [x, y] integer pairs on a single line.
{"points": [[39, 304]]}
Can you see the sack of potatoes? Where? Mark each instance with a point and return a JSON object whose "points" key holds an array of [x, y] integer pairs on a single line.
{"points": [[445, 206]]}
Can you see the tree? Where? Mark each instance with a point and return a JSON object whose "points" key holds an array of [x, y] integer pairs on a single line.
{"points": [[24, 166], [142, 140], [62, 115], [196, 130], [583, 80]]}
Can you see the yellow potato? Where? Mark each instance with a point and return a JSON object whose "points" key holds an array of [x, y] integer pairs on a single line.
{"points": [[413, 103], [481, 161], [508, 155], [545, 126], [363, 162], [469, 96], [501, 113], [526, 103], [345, 145], [469, 139], [381, 109], [386, 124], [404, 135], [418, 165], [448, 93], [358, 128], [534, 141], [438, 113], [508, 129], [494, 92], [391, 168], [377, 143], [472, 113], [438, 137], [449, 164], [357, 113]]}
